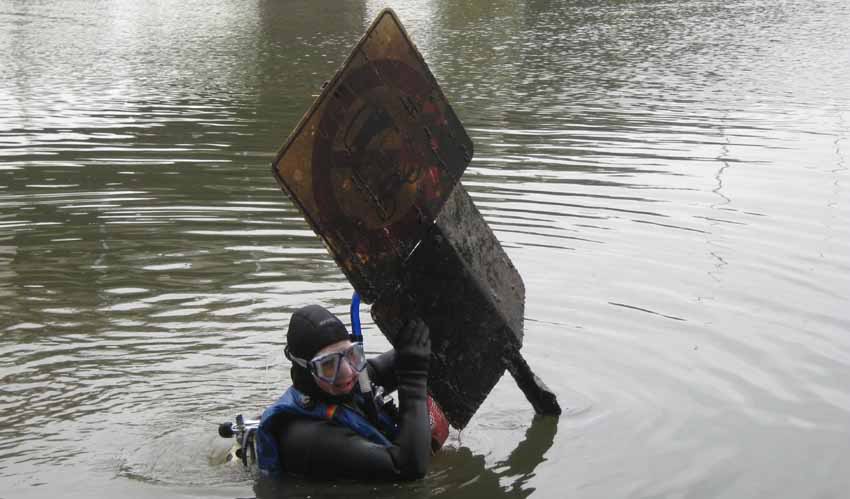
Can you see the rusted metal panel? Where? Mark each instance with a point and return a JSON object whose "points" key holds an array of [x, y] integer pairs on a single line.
{"points": [[375, 158], [461, 282], [375, 167]]}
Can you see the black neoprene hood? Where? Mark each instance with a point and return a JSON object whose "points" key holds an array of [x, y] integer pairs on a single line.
{"points": [[311, 329]]}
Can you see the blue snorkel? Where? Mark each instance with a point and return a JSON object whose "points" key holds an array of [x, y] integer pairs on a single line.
{"points": [[362, 378], [356, 334]]}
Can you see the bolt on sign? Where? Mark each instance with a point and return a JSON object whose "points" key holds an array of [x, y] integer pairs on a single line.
{"points": [[375, 157], [375, 166]]}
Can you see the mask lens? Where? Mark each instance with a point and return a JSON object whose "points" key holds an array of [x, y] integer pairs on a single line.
{"points": [[326, 367], [356, 357]]}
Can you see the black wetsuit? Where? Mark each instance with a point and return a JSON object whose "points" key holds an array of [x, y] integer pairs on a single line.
{"points": [[323, 449]]}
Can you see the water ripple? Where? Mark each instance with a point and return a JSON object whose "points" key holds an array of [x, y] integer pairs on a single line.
{"points": [[669, 178]]}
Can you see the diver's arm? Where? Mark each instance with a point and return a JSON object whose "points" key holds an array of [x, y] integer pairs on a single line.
{"points": [[413, 357], [382, 371], [321, 449]]}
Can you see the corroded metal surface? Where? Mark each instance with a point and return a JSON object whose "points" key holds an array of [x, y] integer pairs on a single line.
{"points": [[461, 282], [375, 167], [376, 156]]}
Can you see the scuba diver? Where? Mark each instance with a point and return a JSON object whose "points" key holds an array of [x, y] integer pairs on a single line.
{"points": [[326, 425]]}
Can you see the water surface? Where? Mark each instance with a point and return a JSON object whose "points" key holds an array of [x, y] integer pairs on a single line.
{"points": [[669, 177]]}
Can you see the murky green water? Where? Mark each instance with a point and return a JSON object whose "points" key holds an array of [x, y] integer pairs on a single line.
{"points": [[670, 178]]}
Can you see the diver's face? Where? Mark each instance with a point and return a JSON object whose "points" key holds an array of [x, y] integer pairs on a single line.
{"points": [[346, 376]]}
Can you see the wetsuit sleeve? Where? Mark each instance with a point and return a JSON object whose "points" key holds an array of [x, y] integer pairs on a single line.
{"points": [[382, 371], [320, 449]]}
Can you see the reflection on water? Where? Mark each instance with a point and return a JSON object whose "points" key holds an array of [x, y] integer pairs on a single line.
{"points": [[670, 179], [470, 475]]}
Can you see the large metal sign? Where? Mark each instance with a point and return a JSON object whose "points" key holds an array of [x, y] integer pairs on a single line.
{"points": [[375, 157], [375, 166]]}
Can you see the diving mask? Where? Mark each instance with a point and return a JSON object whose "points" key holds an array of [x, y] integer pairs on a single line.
{"points": [[326, 367]]}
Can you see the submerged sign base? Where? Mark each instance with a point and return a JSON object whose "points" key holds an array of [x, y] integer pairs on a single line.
{"points": [[375, 166]]}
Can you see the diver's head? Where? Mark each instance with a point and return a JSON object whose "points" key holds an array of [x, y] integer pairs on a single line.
{"points": [[322, 353]]}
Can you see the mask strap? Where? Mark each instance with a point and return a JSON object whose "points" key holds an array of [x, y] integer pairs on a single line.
{"points": [[301, 362]]}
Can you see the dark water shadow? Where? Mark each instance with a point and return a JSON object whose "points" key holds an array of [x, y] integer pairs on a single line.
{"points": [[455, 472], [469, 476]]}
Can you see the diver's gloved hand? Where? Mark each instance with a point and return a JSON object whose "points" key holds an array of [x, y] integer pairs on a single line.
{"points": [[413, 348], [412, 450]]}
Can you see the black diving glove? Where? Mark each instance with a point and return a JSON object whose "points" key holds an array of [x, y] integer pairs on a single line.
{"points": [[413, 348], [412, 450]]}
